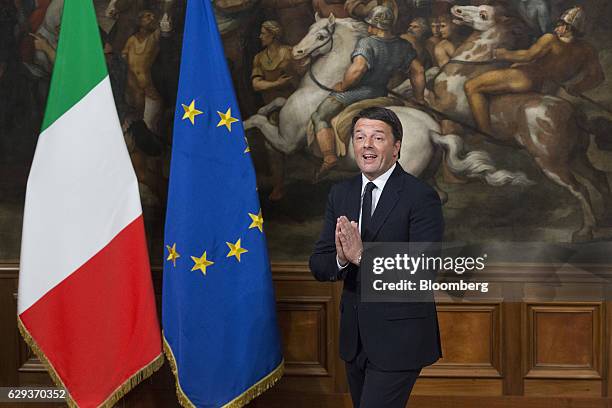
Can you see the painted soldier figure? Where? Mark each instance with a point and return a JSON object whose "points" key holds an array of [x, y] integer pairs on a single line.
{"points": [[375, 58]]}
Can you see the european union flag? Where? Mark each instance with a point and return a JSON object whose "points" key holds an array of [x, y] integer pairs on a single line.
{"points": [[219, 317]]}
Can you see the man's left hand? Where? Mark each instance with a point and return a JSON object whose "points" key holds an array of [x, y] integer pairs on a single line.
{"points": [[350, 239]]}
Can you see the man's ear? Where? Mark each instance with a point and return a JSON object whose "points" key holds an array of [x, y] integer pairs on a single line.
{"points": [[398, 147]]}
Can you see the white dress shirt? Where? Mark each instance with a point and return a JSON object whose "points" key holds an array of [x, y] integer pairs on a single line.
{"points": [[380, 183]]}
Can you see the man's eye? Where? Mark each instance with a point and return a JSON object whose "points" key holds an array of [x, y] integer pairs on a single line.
{"points": [[378, 138]]}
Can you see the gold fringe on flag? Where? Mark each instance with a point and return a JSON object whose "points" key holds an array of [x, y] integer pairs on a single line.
{"points": [[180, 394], [240, 401], [258, 388], [133, 381], [115, 396]]}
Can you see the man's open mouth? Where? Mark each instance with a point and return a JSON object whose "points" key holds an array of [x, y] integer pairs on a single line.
{"points": [[369, 157]]}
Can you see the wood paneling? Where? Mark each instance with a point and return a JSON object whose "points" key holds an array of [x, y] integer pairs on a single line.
{"points": [[496, 354], [458, 386], [466, 355], [554, 347], [9, 336], [308, 320], [564, 340], [563, 388], [512, 332], [303, 327], [443, 401]]}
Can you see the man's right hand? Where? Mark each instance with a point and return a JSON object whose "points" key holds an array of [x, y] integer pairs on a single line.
{"points": [[282, 80], [350, 239], [339, 250]]}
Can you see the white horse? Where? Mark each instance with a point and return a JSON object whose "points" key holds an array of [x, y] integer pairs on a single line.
{"points": [[331, 41]]}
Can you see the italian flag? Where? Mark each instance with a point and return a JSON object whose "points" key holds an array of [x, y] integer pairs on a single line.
{"points": [[86, 304]]}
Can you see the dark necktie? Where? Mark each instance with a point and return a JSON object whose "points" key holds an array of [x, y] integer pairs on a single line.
{"points": [[366, 209]]}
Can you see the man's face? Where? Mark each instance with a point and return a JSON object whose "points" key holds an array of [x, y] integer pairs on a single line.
{"points": [[435, 28], [562, 29], [147, 21], [446, 29], [374, 146], [415, 28]]}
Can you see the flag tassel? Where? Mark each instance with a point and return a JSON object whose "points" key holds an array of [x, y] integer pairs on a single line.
{"points": [[43, 359], [133, 381], [258, 388], [116, 395], [240, 401]]}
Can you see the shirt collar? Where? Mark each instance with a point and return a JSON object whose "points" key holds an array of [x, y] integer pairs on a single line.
{"points": [[379, 181]]}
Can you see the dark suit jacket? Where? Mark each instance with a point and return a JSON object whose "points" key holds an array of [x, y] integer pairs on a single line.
{"points": [[395, 336]]}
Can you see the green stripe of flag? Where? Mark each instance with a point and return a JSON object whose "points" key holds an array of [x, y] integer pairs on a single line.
{"points": [[79, 63]]}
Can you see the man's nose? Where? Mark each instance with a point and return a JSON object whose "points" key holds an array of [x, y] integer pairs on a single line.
{"points": [[367, 142]]}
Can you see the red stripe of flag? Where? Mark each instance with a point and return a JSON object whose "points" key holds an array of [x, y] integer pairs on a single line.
{"points": [[99, 326]]}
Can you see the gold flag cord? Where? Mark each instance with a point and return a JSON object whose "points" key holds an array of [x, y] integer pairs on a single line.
{"points": [[240, 401], [115, 396]]}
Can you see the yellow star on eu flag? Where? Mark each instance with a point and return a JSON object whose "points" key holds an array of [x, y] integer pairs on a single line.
{"points": [[235, 249], [172, 254], [248, 148], [257, 221], [191, 112], [201, 263], [226, 119]]}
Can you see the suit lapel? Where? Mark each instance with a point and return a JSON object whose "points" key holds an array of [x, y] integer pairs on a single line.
{"points": [[386, 202], [354, 200]]}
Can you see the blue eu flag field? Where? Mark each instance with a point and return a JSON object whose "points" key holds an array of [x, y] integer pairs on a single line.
{"points": [[219, 319]]}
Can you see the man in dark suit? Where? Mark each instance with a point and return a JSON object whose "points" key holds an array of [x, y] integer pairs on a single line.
{"points": [[384, 344]]}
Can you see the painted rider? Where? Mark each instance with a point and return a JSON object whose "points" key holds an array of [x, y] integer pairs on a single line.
{"points": [[375, 58], [561, 57]]}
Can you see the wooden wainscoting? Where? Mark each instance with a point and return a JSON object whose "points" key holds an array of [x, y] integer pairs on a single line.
{"points": [[496, 354]]}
